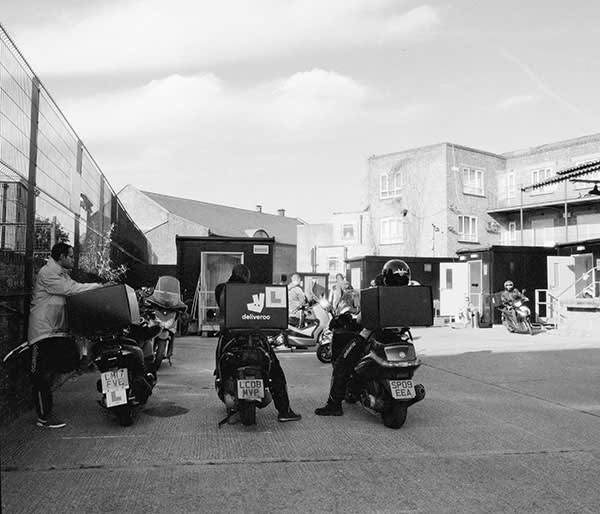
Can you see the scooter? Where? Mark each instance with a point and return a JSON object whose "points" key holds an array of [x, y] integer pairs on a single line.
{"points": [[516, 317], [383, 379], [165, 303], [311, 333], [243, 365]]}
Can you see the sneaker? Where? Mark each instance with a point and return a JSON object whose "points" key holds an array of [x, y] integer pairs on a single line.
{"points": [[50, 423], [290, 415], [330, 409]]}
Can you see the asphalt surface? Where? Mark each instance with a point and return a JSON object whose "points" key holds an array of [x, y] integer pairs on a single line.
{"points": [[511, 423]]}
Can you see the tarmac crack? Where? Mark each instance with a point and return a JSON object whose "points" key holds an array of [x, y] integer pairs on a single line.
{"points": [[516, 391], [297, 460]]}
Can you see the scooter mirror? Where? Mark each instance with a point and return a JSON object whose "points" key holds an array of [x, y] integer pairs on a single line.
{"points": [[324, 303]]}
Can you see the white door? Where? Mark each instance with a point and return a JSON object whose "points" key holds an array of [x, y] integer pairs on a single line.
{"points": [[215, 267], [561, 277], [454, 287]]}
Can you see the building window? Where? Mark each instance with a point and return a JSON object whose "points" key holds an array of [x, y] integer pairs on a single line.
{"points": [[467, 228], [509, 235], [390, 185], [473, 181], [538, 176], [510, 186], [391, 230], [333, 264], [347, 232]]}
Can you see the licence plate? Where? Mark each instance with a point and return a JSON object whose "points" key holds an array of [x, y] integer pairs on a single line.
{"points": [[250, 389], [402, 389], [115, 380]]}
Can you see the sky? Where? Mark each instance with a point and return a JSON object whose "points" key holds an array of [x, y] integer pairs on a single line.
{"points": [[281, 102]]}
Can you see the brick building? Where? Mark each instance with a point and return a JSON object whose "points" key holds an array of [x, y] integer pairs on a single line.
{"points": [[440, 199]]}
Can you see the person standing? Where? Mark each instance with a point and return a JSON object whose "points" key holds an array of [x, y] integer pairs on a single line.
{"points": [[296, 301], [52, 350]]}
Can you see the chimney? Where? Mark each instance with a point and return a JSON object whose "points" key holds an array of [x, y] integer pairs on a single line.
{"points": [[258, 208], [281, 212]]}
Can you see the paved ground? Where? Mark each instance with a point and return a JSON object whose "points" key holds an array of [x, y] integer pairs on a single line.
{"points": [[511, 423]]}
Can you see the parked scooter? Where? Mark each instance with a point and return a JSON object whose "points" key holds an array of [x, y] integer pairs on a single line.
{"points": [[383, 379], [123, 382], [165, 303], [516, 317], [242, 383], [311, 333]]}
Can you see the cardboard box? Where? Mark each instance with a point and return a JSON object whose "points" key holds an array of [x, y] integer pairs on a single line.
{"points": [[102, 310], [406, 306], [255, 306]]}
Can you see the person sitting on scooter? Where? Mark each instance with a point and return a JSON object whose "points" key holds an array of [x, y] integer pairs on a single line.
{"points": [[241, 274], [296, 301], [394, 273], [508, 297]]}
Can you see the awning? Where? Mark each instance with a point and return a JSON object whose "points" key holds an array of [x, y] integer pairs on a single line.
{"points": [[567, 174]]}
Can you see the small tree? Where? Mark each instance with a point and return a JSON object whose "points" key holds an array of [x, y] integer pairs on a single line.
{"points": [[95, 258]]}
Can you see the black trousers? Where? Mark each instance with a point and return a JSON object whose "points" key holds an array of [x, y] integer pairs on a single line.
{"points": [[343, 368], [276, 375], [48, 357]]}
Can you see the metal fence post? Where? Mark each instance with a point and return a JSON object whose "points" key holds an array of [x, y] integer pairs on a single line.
{"points": [[31, 194]]}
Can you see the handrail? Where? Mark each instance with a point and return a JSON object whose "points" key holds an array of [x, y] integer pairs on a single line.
{"points": [[577, 280]]}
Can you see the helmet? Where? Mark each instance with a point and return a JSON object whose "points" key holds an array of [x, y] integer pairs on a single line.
{"points": [[395, 273], [508, 283]]}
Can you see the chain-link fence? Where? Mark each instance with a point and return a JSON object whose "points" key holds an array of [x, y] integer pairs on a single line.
{"points": [[51, 190]]}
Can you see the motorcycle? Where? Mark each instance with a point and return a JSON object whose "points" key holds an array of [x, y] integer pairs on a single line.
{"points": [[312, 332], [383, 379], [243, 365], [164, 302], [123, 382], [516, 317]]}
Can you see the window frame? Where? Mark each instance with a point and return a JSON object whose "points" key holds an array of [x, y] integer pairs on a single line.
{"points": [[353, 236], [549, 189], [468, 187], [473, 236], [394, 184], [397, 238]]}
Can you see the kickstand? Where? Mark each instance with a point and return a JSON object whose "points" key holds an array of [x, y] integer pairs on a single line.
{"points": [[229, 416]]}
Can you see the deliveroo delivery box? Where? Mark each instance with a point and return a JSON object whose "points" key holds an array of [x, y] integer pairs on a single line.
{"points": [[255, 306], [405, 306], [104, 309]]}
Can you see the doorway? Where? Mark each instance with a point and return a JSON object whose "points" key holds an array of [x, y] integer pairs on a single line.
{"points": [[454, 287], [476, 284]]}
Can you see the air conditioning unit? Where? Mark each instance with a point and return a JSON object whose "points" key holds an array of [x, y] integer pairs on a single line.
{"points": [[493, 227]]}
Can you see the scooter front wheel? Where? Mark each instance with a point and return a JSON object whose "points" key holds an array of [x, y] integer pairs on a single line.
{"points": [[324, 353], [395, 416]]}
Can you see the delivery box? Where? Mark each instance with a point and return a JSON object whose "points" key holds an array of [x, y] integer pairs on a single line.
{"points": [[102, 310], [406, 306], [255, 306]]}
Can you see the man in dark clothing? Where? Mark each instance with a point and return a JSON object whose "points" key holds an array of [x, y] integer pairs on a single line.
{"points": [[508, 297], [394, 273], [241, 274]]}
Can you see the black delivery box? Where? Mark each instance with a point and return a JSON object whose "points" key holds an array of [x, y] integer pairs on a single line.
{"points": [[405, 306], [102, 310], [255, 306]]}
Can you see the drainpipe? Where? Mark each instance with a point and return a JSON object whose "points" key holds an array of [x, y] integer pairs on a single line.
{"points": [[521, 214], [566, 218]]}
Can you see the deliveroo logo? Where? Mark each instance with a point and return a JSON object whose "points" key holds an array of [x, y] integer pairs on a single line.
{"points": [[258, 303]]}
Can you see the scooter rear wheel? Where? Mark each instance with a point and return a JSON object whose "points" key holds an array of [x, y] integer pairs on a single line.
{"points": [[324, 353], [395, 416], [247, 412]]}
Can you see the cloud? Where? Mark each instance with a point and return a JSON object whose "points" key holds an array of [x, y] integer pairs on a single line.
{"points": [[516, 101], [204, 106], [150, 35]]}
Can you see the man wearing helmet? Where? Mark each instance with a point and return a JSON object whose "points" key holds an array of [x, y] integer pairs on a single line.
{"points": [[508, 297], [393, 274]]}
